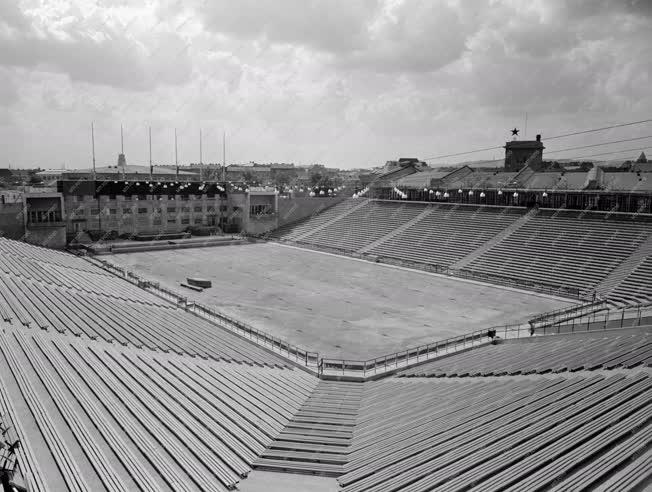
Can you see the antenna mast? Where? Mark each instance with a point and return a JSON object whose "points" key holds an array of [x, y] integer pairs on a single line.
{"points": [[93, 147], [224, 156], [201, 164], [122, 153], [176, 156], [151, 167], [525, 131]]}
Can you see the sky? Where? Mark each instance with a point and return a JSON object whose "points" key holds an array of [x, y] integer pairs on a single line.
{"points": [[345, 83]]}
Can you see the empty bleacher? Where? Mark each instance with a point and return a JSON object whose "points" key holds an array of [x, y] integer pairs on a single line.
{"points": [[447, 234], [363, 226], [563, 250], [637, 287], [97, 416], [109, 387], [290, 232], [480, 434], [316, 440], [540, 355], [573, 250], [75, 297]]}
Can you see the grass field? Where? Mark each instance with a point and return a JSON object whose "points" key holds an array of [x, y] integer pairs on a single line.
{"points": [[337, 306]]}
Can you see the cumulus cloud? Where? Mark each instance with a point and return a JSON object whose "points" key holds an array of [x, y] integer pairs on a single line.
{"points": [[105, 55], [333, 26], [349, 83]]}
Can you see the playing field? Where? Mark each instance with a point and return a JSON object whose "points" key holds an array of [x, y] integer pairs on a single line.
{"points": [[337, 306]]}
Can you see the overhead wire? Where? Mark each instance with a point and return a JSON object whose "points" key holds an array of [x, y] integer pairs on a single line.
{"points": [[564, 135]]}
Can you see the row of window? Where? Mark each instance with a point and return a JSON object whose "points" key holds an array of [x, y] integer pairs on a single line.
{"points": [[44, 216], [158, 210], [184, 198]]}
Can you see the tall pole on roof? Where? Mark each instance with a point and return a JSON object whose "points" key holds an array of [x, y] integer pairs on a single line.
{"points": [[224, 156], [151, 167], [122, 151], [201, 163], [93, 147], [525, 130], [176, 156]]}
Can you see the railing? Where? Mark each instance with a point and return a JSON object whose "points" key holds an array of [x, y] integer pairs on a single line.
{"points": [[603, 319], [589, 316], [277, 345], [600, 318], [561, 315], [402, 359], [550, 289]]}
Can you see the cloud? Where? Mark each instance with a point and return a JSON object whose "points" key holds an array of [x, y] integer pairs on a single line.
{"points": [[334, 26], [105, 55], [346, 82]]}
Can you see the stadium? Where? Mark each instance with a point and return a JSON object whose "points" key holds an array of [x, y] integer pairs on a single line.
{"points": [[374, 344]]}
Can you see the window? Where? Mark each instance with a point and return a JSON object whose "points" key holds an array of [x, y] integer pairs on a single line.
{"points": [[223, 208], [95, 211], [184, 198], [210, 210], [158, 210], [198, 209], [79, 198], [211, 195], [157, 221], [172, 221], [265, 209], [126, 211], [237, 209], [142, 197], [142, 210], [185, 209], [197, 220], [185, 220], [40, 216], [170, 197], [172, 210], [111, 197], [113, 211]]}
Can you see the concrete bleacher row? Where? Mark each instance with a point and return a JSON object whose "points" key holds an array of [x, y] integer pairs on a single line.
{"points": [[45, 255], [317, 438], [637, 285], [447, 234], [545, 354], [99, 282], [155, 327], [296, 229], [363, 226], [95, 416], [565, 249], [507, 434], [90, 302]]}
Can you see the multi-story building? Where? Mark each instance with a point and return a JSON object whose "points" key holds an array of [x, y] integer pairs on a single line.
{"points": [[145, 208]]}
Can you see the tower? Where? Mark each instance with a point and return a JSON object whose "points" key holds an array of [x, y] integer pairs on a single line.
{"points": [[521, 153], [122, 161]]}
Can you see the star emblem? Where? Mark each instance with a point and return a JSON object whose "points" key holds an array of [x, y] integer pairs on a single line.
{"points": [[515, 131]]}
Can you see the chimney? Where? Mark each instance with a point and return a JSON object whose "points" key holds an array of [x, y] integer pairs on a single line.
{"points": [[538, 138]]}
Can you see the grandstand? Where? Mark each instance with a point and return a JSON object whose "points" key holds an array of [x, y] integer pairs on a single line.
{"points": [[569, 253], [112, 381]]}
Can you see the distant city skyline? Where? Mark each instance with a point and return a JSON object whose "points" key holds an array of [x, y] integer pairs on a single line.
{"points": [[345, 84]]}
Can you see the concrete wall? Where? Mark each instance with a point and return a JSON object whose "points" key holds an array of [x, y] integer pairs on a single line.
{"points": [[11, 220], [293, 209], [48, 236]]}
